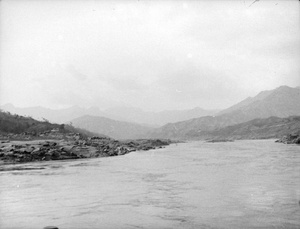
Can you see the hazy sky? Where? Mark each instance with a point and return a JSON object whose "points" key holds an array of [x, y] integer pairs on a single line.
{"points": [[154, 55]]}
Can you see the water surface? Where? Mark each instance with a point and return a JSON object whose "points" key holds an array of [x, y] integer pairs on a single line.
{"points": [[242, 184]]}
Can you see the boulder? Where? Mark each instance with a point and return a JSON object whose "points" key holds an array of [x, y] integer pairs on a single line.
{"points": [[46, 144], [8, 149], [25, 150], [47, 156], [9, 154], [55, 155], [68, 148], [36, 151], [52, 144]]}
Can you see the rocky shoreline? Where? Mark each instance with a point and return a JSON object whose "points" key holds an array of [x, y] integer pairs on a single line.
{"points": [[290, 139], [75, 147]]}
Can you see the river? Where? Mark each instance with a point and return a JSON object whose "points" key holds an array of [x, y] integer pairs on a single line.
{"points": [[241, 184]]}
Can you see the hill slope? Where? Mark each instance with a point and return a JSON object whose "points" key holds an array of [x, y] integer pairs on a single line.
{"points": [[16, 124]]}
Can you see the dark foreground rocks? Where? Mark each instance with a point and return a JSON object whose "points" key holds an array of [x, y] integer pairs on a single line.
{"points": [[290, 139], [46, 150]]}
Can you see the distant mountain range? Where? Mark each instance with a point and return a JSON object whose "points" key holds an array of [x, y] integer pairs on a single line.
{"points": [[156, 119], [197, 123], [127, 114], [110, 127], [280, 102]]}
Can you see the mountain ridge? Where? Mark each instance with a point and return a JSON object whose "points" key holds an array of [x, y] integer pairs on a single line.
{"points": [[284, 93], [281, 102], [126, 114]]}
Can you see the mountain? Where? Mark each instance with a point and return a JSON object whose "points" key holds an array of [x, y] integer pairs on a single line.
{"points": [[130, 114], [127, 114], [110, 127], [280, 102], [262, 95]]}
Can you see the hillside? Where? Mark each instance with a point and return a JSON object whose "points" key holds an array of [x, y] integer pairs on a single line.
{"points": [[13, 124], [110, 127], [280, 102], [16, 124]]}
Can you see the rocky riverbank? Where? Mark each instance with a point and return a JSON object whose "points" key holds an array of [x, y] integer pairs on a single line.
{"points": [[71, 148], [290, 139]]}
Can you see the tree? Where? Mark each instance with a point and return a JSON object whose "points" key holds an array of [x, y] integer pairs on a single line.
{"points": [[46, 120]]}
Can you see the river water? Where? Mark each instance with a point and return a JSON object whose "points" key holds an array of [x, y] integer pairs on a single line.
{"points": [[241, 184]]}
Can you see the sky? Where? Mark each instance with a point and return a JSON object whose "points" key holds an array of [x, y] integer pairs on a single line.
{"points": [[153, 55]]}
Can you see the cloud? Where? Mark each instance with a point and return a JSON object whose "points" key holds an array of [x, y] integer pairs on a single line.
{"points": [[178, 54], [124, 84]]}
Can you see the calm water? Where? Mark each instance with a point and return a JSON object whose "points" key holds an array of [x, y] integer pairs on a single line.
{"points": [[242, 184]]}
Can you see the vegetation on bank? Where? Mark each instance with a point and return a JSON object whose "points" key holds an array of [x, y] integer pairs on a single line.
{"points": [[16, 124]]}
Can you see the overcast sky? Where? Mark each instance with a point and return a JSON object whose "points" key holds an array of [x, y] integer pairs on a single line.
{"points": [[154, 55]]}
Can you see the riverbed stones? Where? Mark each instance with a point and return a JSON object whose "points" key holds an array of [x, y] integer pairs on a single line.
{"points": [[40, 150]]}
